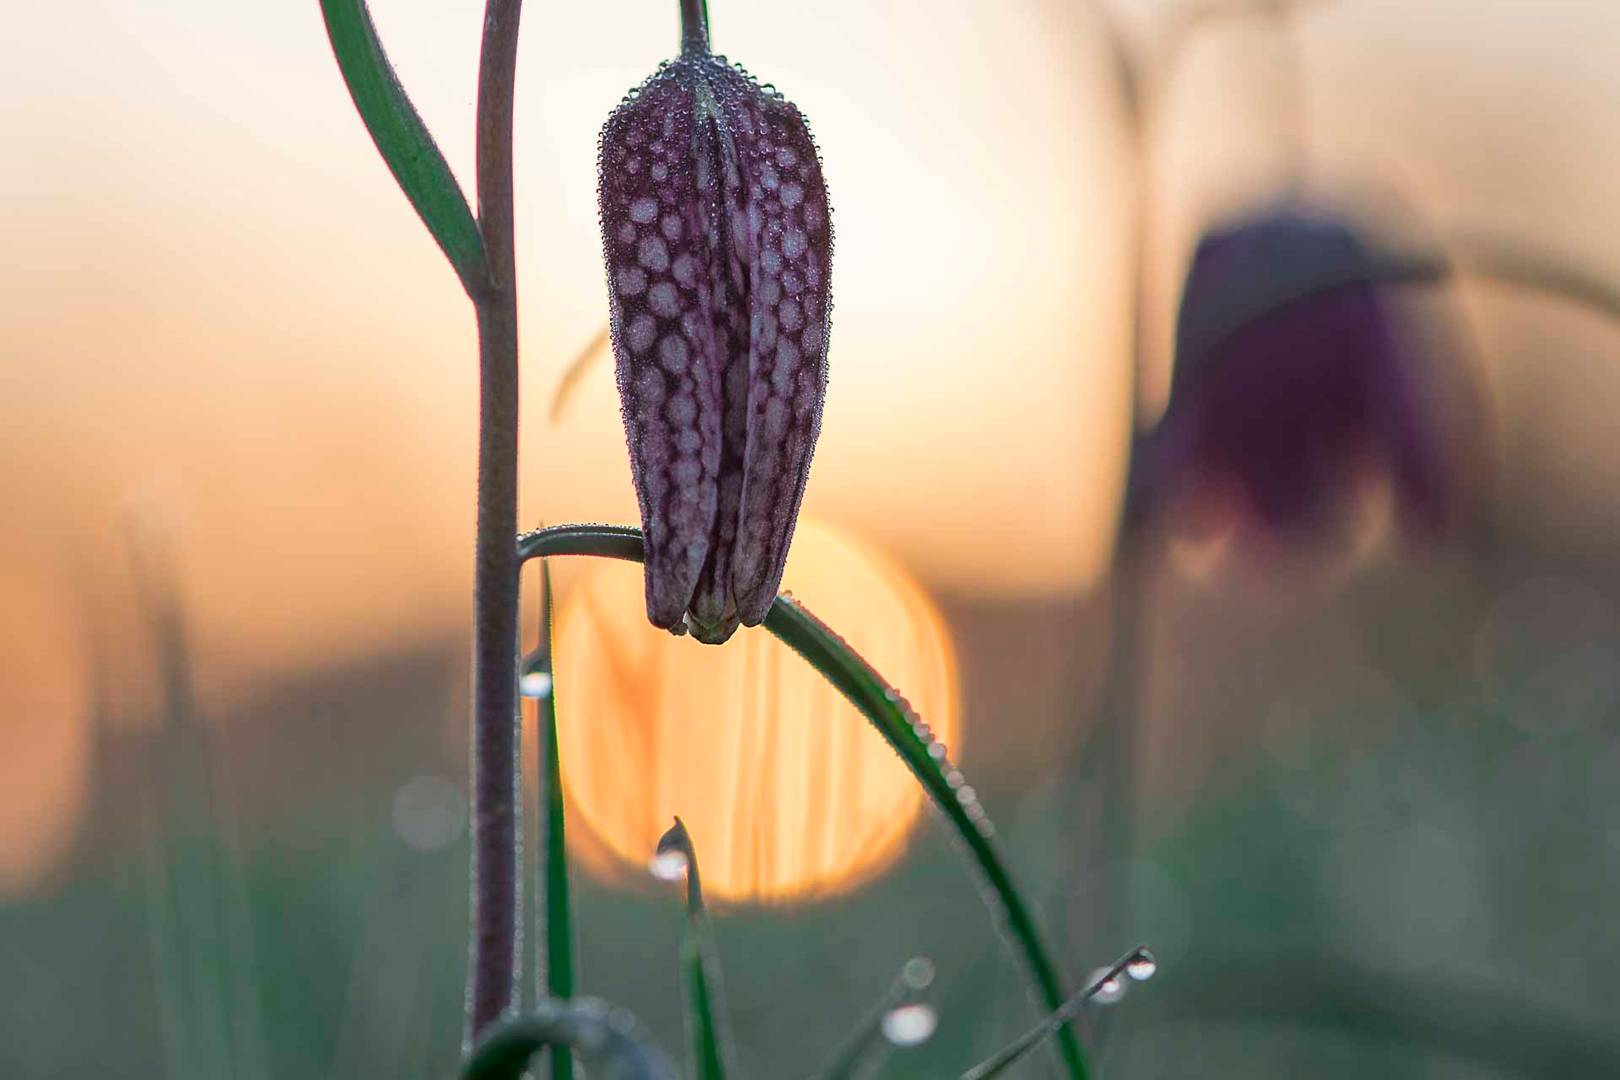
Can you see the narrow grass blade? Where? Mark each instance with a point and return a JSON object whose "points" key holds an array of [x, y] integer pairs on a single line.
{"points": [[1138, 959], [404, 141], [956, 801], [864, 1050], [595, 351], [700, 972], [608, 1041], [554, 966], [888, 711], [196, 897]]}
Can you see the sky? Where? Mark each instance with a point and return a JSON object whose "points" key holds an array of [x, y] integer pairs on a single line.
{"points": [[220, 319]]}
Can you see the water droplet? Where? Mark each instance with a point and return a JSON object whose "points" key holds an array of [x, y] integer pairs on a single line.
{"points": [[1143, 966], [966, 796], [429, 813], [937, 751], [918, 972], [910, 1025], [667, 866], [535, 684], [1109, 990]]}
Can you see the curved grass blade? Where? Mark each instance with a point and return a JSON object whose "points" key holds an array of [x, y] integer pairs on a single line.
{"points": [[404, 141], [700, 972], [862, 1053], [956, 801], [1137, 958], [608, 1040], [594, 352], [881, 704], [554, 966]]}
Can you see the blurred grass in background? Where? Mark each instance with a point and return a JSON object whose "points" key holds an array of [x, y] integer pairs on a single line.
{"points": [[1383, 809], [1380, 789]]}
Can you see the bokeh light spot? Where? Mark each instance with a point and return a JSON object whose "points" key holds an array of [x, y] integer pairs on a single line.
{"points": [[785, 788]]}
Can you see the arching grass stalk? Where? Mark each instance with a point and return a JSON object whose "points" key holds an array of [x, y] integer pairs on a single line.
{"points": [[607, 1040], [900, 727], [481, 251]]}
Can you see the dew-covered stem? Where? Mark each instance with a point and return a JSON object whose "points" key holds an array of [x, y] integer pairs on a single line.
{"points": [[905, 733], [694, 27], [494, 964]]}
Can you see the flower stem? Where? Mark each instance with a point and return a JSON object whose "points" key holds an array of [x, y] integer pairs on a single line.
{"points": [[888, 712], [493, 962], [694, 27]]}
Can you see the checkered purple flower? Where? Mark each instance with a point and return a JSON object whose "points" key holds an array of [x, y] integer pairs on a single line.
{"points": [[1292, 374], [717, 238]]}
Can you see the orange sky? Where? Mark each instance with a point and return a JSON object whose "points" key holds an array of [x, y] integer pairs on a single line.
{"points": [[215, 303]]}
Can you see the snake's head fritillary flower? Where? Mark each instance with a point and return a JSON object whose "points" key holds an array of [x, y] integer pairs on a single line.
{"points": [[1292, 376], [717, 238]]}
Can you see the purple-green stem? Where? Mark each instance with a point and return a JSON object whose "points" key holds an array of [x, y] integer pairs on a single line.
{"points": [[694, 27], [494, 965]]}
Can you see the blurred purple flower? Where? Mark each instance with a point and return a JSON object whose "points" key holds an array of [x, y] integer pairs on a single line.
{"points": [[1292, 376], [717, 238]]}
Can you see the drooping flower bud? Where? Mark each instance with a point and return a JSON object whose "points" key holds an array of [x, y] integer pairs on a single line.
{"points": [[1292, 373], [717, 239]]}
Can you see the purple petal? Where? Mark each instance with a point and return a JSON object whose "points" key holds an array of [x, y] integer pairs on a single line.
{"points": [[661, 317], [1285, 405], [718, 240]]}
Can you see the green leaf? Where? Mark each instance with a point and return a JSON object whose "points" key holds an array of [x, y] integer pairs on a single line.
{"points": [[881, 704], [556, 936], [404, 141], [607, 1040], [700, 972]]}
